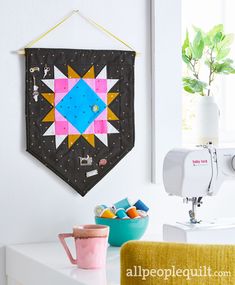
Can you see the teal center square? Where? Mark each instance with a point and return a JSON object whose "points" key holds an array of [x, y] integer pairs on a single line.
{"points": [[78, 106]]}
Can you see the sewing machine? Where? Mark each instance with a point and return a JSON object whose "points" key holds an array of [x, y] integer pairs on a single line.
{"points": [[193, 174]]}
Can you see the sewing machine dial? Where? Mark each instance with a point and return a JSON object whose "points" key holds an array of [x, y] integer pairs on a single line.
{"points": [[233, 162]]}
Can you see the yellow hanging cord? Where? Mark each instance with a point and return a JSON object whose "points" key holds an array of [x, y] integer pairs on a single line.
{"points": [[22, 51]]}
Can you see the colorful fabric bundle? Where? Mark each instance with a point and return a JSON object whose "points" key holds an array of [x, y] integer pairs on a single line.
{"points": [[79, 111]]}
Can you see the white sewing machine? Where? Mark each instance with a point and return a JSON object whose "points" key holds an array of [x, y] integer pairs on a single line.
{"points": [[194, 174]]}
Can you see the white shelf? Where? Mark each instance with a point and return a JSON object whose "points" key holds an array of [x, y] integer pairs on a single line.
{"points": [[47, 264]]}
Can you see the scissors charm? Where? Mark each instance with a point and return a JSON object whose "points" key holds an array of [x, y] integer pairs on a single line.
{"points": [[46, 70]]}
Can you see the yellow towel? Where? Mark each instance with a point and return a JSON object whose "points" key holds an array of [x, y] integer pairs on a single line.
{"points": [[153, 263]]}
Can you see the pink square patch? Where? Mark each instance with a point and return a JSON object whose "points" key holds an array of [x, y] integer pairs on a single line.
{"points": [[90, 82], [90, 129], [59, 117], [61, 85], [103, 115], [61, 127], [59, 97], [101, 85], [100, 126], [72, 82]]}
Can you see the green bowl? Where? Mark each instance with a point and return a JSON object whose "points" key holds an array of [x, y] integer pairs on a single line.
{"points": [[124, 230]]}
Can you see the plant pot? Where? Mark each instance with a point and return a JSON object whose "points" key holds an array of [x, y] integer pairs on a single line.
{"points": [[207, 121]]}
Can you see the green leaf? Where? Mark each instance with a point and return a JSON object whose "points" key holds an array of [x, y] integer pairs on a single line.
{"points": [[216, 29], [207, 41], [227, 40], [193, 85], [225, 67], [188, 89], [185, 58], [222, 53], [225, 43], [210, 36], [217, 37], [186, 50], [197, 46], [186, 42]]}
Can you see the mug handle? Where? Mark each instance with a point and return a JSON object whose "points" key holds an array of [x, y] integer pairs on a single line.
{"points": [[62, 238]]}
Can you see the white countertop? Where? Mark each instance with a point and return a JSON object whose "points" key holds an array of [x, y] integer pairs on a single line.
{"points": [[47, 264]]}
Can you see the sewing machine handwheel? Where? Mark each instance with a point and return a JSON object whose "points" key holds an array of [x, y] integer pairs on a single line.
{"points": [[233, 162]]}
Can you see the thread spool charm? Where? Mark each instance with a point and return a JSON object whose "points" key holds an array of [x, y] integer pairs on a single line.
{"points": [[107, 213], [123, 204], [121, 213], [132, 212], [141, 206]]}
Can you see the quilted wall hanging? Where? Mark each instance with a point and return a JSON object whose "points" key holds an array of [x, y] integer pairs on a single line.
{"points": [[79, 111]]}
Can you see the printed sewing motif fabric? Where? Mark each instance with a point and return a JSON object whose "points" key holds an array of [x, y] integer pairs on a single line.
{"points": [[79, 111]]}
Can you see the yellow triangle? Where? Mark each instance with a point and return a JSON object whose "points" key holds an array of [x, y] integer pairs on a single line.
{"points": [[50, 117], [111, 115], [111, 97], [50, 97], [72, 73], [72, 139], [90, 73], [90, 139]]}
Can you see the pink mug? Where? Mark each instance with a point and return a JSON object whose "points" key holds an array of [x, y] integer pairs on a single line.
{"points": [[91, 242]]}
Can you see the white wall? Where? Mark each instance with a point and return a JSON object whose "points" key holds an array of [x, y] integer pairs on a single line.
{"points": [[35, 205], [2, 265]]}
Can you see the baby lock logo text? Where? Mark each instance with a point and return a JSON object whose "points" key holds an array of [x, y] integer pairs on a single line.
{"points": [[166, 273]]}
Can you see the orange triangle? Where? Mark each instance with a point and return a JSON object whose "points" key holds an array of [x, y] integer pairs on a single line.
{"points": [[50, 117], [72, 139], [50, 97], [90, 139], [111, 115], [72, 73], [90, 73], [111, 97]]}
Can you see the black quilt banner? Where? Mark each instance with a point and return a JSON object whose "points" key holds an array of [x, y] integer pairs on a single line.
{"points": [[79, 111]]}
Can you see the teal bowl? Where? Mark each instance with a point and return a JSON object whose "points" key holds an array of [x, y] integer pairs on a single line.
{"points": [[124, 230]]}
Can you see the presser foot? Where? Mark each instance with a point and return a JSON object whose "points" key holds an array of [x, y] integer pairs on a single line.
{"points": [[196, 202]]}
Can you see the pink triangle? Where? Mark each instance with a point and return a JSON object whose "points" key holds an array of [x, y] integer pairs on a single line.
{"points": [[90, 82], [59, 97], [90, 129], [72, 82], [103, 96], [103, 115], [59, 117], [73, 130]]}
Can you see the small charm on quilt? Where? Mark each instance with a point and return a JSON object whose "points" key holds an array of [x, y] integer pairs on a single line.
{"points": [[46, 70], [85, 161], [103, 162], [33, 69], [92, 173], [35, 90], [35, 87]]}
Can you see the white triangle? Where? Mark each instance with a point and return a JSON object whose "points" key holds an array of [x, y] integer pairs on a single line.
{"points": [[59, 140], [58, 74], [111, 129], [102, 74], [111, 83], [50, 131], [103, 138], [49, 83]]}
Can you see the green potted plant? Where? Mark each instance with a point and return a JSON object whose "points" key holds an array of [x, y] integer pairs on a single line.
{"points": [[206, 56]]}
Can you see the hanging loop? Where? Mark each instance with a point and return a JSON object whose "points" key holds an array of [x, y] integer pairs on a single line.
{"points": [[98, 26]]}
